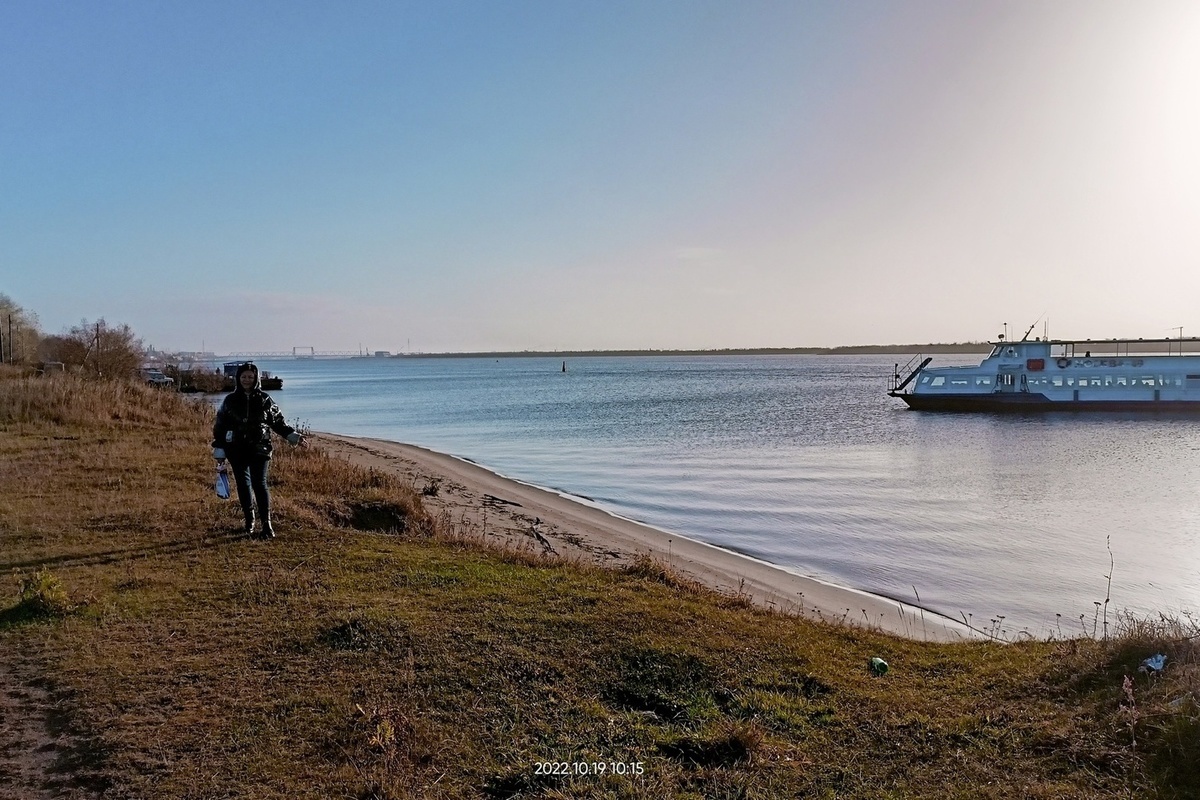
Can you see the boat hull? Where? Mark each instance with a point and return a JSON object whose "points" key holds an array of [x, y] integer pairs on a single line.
{"points": [[1027, 402]]}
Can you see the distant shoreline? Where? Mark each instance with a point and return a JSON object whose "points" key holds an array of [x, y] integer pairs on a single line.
{"points": [[976, 348], [866, 349]]}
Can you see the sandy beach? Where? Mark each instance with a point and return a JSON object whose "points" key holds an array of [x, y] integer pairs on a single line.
{"points": [[508, 512]]}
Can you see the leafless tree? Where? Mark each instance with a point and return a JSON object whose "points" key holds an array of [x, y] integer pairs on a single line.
{"points": [[19, 334], [98, 349]]}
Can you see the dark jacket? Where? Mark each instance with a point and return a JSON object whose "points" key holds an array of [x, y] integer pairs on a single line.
{"points": [[245, 420]]}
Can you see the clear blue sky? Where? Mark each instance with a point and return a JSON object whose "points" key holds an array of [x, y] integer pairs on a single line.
{"points": [[609, 174]]}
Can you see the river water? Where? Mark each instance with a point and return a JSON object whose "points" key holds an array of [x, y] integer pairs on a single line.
{"points": [[1012, 522]]}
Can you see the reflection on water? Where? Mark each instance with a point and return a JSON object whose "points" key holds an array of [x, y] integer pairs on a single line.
{"points": [[803, 461]]}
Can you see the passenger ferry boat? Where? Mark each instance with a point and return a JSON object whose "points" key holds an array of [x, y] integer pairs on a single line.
{"points": [[1061, 374]]}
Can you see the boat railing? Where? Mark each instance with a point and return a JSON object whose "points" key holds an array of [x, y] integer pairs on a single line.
{"points": [[897, 382], [1126, 348]]}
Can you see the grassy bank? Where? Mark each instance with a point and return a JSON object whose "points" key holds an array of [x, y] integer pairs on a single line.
{"points": [[373, 652]]}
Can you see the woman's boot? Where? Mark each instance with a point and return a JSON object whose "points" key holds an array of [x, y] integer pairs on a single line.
{"points": [[267, 531], [248, 513]]}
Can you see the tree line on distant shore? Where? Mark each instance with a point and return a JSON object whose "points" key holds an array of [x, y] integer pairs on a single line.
{"points": [[97, 349], [852, 350], [101, 348]]}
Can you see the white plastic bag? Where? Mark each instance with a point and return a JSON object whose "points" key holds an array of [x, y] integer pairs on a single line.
{"points": [[222, 482]]}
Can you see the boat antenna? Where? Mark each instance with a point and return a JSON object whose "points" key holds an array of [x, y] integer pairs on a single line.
{"points": [[1030, 328]]}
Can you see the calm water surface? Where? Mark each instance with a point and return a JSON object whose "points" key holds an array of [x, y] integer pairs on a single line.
{"points": [[804, 462]]}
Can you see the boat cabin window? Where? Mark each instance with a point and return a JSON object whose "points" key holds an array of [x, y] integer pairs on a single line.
{"points": [[937, 381], [960, 381], [1147, 380], [1056, 380], [1122, 380], [986, 380]]}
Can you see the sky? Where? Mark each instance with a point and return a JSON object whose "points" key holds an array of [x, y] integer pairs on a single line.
{"points": [[448, 176]]}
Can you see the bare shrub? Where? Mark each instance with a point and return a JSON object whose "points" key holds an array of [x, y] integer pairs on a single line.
{"points": [[97, 349], [196, 379]]}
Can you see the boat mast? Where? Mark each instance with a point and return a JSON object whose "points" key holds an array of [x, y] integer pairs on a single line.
{"points": [[1029, 330]]}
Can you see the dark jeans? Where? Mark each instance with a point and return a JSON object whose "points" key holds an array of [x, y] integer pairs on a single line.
{"points": [[250, 472]]}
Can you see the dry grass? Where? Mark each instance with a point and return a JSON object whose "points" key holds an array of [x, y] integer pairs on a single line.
{"points": [[66, 400], [375, 652]]}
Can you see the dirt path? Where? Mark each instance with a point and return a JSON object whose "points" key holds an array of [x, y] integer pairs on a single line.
{"points": [[40, 756]]}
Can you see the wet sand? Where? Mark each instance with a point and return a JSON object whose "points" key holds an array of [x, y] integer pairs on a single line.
{"points": [[510, 513]]}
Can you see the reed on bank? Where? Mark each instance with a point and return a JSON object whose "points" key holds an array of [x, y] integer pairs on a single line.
{"points": [[375, 651]]}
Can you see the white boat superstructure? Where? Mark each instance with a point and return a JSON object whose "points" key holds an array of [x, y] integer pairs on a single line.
{"points": [[1061, 374]]}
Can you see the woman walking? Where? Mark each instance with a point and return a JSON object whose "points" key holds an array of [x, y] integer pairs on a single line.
{"points": [[242, 434]]}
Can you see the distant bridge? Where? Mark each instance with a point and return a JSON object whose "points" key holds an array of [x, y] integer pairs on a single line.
{"points": [[297, 352]]}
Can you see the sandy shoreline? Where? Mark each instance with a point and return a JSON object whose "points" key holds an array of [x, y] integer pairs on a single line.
{"points": [[506, 510]]}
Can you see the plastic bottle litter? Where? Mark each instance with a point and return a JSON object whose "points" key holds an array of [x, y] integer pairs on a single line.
{"points": [[1179, 702], [878, 666]]}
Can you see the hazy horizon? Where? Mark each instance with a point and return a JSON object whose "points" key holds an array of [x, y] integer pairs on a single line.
{"points": [[365, 352], [625, 175]]}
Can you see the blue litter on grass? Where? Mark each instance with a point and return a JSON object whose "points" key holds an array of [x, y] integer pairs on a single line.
{"points": [[1154, 663]]}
